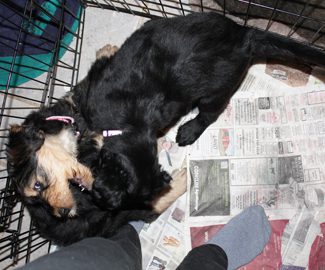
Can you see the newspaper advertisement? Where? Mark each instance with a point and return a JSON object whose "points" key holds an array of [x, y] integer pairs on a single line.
{"points": [[267, 148], [163, 241]]}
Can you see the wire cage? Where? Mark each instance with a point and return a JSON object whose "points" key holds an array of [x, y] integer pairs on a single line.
{"points": [[35, 39], [36, 36]]}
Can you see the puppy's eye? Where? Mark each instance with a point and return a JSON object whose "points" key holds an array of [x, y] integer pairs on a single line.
{"points": [[38, 186]]}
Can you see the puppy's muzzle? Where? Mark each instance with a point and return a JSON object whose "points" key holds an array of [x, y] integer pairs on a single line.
{"points": [[77, 182]]}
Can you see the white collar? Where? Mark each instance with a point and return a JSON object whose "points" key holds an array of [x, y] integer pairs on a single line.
{"points": [[112, 132]]}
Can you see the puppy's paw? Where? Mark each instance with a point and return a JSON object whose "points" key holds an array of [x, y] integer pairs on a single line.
{"points": [[105, 197], [166, 177], [151, 217], [189, 132], [106, 51], [111, 182], [179, 183], [168, 196]]}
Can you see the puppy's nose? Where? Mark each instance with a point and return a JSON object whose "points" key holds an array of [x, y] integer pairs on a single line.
{"points": [[64, 212]]}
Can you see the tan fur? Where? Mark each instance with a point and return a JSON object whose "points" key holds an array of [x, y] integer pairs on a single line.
{"points": [[16, 128], [106, 51], [99, 140], [29, 191], [68, 98], [57, 157], [177, 188]]}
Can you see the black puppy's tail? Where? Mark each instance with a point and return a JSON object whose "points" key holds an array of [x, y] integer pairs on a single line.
{"points": [[274, 46]]}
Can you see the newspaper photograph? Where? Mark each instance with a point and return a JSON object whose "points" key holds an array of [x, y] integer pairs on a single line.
{"points": [[209, 189]]}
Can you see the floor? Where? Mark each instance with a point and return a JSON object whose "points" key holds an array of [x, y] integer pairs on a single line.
{"points": [[105, 27]]}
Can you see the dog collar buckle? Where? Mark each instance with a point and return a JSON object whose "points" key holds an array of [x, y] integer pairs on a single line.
{"points": [[112, 132]]}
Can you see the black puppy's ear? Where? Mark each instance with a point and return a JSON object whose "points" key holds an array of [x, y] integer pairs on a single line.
{"points": [[21, 134], [23, 141]]}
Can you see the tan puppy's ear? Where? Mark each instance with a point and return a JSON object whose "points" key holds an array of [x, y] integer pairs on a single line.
{"points": [[15, 146], [16, 129], [106, 51], [23, 140], [27, 132]]}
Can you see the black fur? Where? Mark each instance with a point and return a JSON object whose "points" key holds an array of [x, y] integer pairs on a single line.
{"points": [[91, 220], [167, 68], [164, 70], [100, 211], [170, 66]]}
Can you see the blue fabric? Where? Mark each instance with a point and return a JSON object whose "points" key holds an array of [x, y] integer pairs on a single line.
{"points": [[38, 38], [244, 236]]}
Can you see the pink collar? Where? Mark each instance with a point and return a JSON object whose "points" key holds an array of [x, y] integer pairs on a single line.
{"points": [[65, 119], [112, 132], [70, 120]]}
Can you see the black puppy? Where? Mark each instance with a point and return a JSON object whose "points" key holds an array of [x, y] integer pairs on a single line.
{"points": [[161, 72], [170, 66], [167, 68]]}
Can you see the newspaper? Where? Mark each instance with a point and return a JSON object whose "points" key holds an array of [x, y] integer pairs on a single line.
{"points": [[267, 148]]}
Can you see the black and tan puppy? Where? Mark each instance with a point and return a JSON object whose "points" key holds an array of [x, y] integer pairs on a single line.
{"points": [[53, 169], [165, 69]]}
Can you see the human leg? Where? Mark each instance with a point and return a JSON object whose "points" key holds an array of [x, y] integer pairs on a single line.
{"points": [[236, 244], [205, 257], [122, 251]]}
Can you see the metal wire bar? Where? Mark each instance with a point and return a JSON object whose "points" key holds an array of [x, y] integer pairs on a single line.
{"points": [[76, 60], [298, 20], [272, 15], [10, 70]]}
